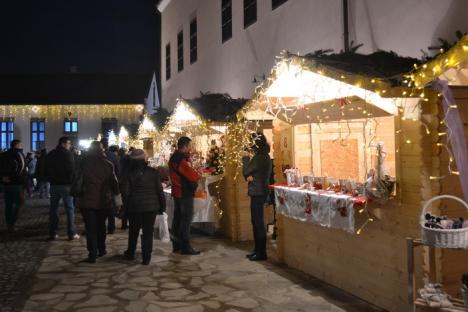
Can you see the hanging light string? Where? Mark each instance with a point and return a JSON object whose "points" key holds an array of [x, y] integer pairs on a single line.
{"points": [[277, 108], [422, 75], [59, 111], [237, 137]]}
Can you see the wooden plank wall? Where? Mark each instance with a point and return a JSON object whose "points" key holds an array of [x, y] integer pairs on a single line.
{"points": [[309, 138], [235, 223], [454, 262], [227, 205], [372, 265]]}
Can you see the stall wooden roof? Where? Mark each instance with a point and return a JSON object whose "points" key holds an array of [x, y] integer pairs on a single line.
{"points": [[322, 87]]}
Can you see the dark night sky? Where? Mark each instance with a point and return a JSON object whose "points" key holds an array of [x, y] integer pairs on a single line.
{"points": [[97, 36]]}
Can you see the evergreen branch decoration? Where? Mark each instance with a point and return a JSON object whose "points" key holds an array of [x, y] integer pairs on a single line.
{"points": [[319, 53], [444, 46], [160, 117], [353, 48]]}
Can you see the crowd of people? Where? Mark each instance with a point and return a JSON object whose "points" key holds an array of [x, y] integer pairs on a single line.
{"points": [[106, 181]]}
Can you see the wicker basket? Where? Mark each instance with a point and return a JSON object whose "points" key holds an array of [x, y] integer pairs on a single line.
{"points": [[457, 238]]}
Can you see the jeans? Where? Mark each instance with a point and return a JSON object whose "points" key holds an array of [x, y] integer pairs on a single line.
{"points": [[14, 202], [183, 215], [256, 210], [144, 221], [95, 223], [58, 192]]}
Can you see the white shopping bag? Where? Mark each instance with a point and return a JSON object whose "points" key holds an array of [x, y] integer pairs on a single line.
{"points": [[161, 224]]}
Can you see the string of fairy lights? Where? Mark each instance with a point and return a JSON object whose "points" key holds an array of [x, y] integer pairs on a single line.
{"points": [[415, 88], [185, 121], [278, 108], [408, 100], [61, 111], [422, 75]]}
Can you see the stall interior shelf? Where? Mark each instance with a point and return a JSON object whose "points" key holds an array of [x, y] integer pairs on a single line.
{"points": [[413, 302]]}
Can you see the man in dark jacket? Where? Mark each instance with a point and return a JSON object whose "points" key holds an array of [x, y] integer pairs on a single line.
{"points": [[184, 184], [257, 171], [60, 168], [144, 194], [113, 158], [14, 177]]}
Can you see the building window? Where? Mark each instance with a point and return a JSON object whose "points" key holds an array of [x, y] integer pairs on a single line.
{"points": [[250, 12], [37, 134], [277, 3], [70, 126], [193, 41], [226, 20], [180, 51], [168, 61], [7, 127]]}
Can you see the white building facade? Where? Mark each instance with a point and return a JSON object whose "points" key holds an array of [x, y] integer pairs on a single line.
{"points": [[195, 57]]}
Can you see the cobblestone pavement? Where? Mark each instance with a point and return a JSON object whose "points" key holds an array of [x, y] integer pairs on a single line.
{"points": [[22, 253], [221, 279]]}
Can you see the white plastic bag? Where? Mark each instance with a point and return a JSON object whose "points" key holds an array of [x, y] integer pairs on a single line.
{"points": [[161, 224]]}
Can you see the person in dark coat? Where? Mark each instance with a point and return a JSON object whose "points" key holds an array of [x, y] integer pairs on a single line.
{"points": [[60, 169], [124, 168], [43, 184], [31, 164], [257, 172], [99, 187], [145, 199], [14, 178], [184, 182], [113, 158]]}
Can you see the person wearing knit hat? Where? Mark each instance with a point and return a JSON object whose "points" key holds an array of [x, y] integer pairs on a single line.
{"points": [[138, 154], [142, 188]]}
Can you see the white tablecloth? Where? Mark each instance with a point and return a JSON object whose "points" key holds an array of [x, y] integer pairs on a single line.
{"points": [[325, 209], [203, 208]]}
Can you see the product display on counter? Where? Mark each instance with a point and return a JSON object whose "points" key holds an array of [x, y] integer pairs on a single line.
{"points": [[325, 208]]}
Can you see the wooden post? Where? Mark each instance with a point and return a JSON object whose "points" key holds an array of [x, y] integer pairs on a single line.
{"points": [[411, 280], [148, 147], [432, 265]]}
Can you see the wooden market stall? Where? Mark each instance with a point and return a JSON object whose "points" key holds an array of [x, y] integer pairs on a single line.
{"points": [[448, 74], [211, 122], [352, 126]]}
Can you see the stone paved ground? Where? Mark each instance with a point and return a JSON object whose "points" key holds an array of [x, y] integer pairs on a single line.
{"points": [[221, 279], [21, 254]]}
